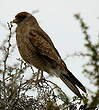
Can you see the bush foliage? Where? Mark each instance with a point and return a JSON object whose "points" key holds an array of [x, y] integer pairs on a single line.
{"points": [[45, 95]]}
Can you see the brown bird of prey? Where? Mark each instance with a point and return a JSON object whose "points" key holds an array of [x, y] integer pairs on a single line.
{"points": [[37, 49]]}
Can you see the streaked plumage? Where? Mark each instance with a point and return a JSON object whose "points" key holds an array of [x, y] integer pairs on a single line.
{"points": [[37, 49]]}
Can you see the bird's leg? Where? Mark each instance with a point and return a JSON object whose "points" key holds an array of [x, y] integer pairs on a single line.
{"points": [[39, 76], [41, 73], [38, 73]]}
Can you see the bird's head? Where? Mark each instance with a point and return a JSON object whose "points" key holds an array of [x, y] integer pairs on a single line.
{"points": [[22, 17]]}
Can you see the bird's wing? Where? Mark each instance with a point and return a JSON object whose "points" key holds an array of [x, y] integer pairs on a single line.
{"points": [[43, 46], [47, 38]]}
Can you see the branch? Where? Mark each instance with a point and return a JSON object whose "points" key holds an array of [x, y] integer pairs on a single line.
{"points": [[6, 56]]}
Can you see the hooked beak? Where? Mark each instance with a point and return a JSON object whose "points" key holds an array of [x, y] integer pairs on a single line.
{"points": [[14, 21]]}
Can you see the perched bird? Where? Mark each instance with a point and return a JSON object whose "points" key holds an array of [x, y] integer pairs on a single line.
{"points": [[37, 49]]}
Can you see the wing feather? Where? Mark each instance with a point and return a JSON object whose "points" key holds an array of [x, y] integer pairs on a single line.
{"points": [[43, 46]]}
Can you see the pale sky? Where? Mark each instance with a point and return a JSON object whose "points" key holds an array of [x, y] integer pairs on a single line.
{"points": [[56, 18]]}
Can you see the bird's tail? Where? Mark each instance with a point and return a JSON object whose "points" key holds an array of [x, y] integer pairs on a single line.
{"points": [[72, 82]]}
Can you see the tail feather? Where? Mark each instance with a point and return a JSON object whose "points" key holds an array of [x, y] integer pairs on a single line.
{"points": [[72, 86], [72, 82], [76, 81]]}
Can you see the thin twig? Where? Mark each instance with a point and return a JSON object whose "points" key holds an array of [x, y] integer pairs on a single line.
{"points": [[6, 57]]}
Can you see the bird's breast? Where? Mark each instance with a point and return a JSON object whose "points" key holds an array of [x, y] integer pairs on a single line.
{"points": [[25, 48], [29, 53]]}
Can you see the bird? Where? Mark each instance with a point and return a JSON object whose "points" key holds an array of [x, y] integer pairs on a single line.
{"points": [[37, 49]]}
